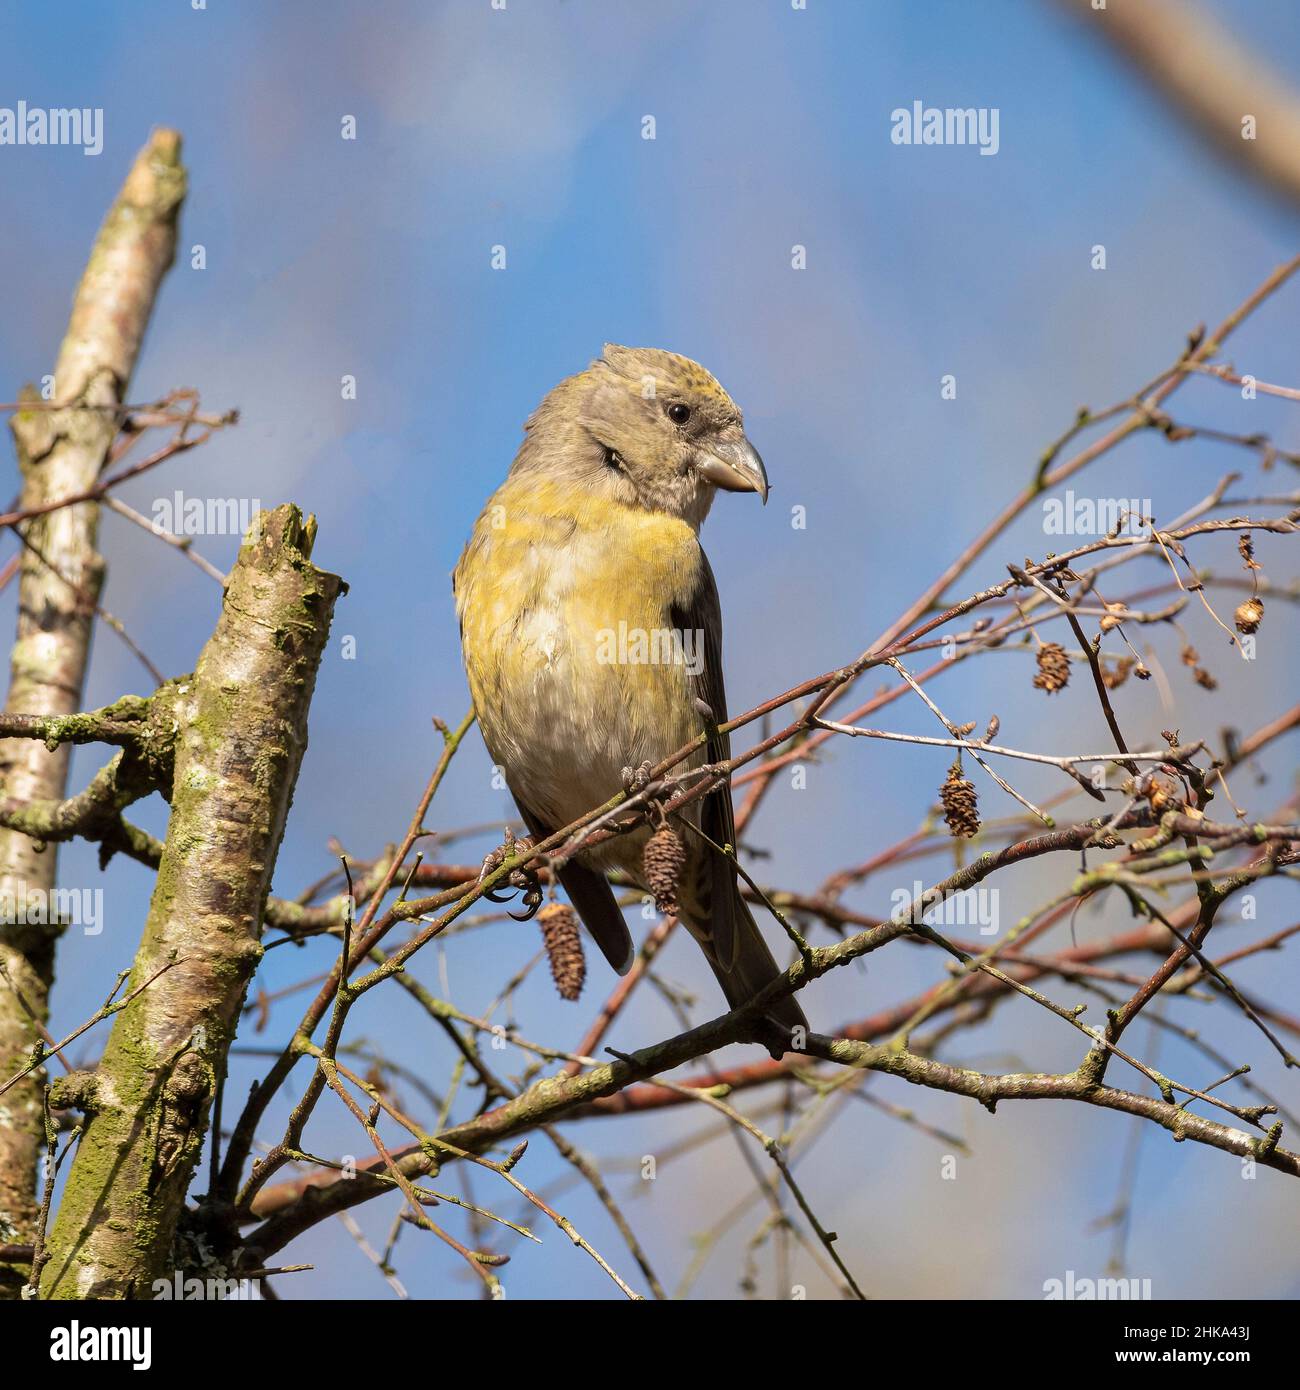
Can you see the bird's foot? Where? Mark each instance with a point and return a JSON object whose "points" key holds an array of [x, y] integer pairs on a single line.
{"points": [[634, 778], [523, 880], [768, 1033]]}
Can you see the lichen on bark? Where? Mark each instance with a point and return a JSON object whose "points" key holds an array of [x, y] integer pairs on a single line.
{"points": [[61, 452], [241, 732]]}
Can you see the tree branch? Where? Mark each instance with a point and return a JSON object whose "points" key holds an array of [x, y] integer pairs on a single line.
{"points": [[61, 452], [242, 731]]}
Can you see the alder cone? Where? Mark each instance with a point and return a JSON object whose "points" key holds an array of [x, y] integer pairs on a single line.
{"points": [[662, 862], [563, 941], [1112, 677], [960, 805], [1249, 615], [1053, 668]]}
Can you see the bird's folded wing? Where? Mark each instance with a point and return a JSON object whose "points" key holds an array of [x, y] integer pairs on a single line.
{"points": [[715, 888]]}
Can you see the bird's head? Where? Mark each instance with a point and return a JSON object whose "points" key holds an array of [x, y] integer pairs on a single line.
{"points": [[648, 428]]}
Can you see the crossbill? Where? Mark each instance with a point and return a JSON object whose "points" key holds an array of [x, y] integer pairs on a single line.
{"points": [[592, 633]]}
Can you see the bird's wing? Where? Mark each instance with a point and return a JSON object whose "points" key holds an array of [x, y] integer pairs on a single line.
{"points": [[715, 877], [591, 894]]}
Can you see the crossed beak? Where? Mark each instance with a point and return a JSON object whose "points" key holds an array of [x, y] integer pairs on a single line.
{"points": [[734, 466]]}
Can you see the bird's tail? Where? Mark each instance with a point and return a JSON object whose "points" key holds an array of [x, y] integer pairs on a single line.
{"points": [[753, 970]]}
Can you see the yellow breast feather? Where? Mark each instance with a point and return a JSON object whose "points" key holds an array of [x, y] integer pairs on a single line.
{"points": [[566, 609]]}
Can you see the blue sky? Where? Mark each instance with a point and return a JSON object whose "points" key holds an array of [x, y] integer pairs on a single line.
{"points": [[522, 128]]}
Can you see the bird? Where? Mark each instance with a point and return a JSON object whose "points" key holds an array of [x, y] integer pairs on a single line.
{"points": [[591, 631]]}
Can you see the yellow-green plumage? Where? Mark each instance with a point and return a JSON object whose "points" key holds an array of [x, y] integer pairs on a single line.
{"points": [[590, 547], [548, 573]]}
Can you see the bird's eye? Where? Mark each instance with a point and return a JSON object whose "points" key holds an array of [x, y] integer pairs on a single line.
{"points": [[679, 413]]}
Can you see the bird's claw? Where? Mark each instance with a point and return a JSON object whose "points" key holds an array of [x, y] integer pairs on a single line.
{"points": [[525, 880], [636, 778]]}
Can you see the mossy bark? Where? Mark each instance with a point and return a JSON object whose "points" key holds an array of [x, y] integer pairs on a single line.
{"points": [[61, 452], [241, 732]]}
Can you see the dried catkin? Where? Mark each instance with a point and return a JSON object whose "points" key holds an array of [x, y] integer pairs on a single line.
{"points": [[563, 942], [960, 806], [1053, 668], [662, 862]]}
